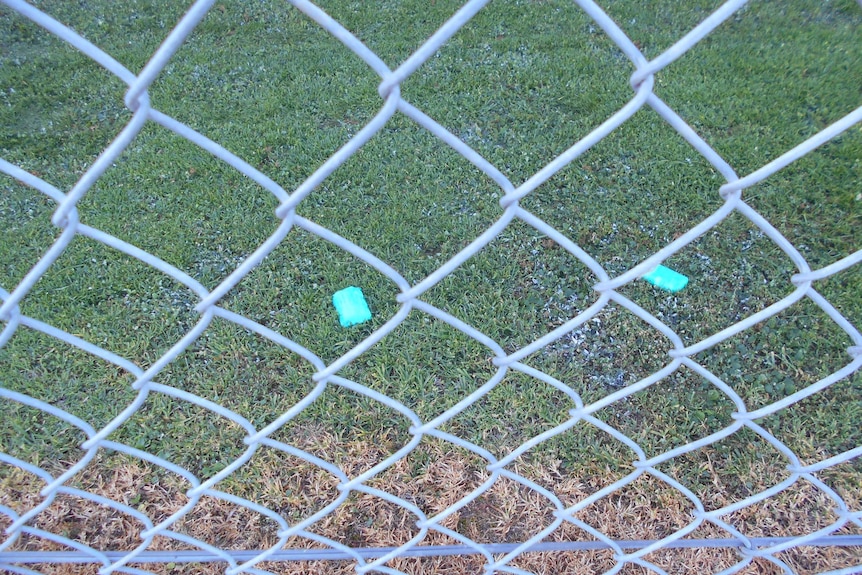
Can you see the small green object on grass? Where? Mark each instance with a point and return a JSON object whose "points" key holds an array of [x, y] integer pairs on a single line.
{"points": [[666, 279], [351, 306]]}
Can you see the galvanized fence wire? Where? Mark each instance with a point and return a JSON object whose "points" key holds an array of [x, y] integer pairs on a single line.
{"points": [[498, 558]]}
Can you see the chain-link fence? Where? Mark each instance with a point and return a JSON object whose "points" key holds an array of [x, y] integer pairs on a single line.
{"points": [[22, 529]]}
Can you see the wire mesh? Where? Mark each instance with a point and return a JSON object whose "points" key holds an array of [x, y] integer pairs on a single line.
{"points": [[498, 557]]}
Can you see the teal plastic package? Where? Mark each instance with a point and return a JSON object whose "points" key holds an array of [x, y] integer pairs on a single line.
{"points": [[666, 279], [351, 306]]}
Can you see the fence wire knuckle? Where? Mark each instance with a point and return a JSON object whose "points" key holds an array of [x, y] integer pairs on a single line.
{"points": [[606, 291]]}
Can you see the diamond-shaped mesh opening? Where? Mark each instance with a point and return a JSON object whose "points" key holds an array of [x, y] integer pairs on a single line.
{"points": [[228, 525], [90, 523], [434, 477], [678, 410], [333, 567], [455, 365], [297, 495], [692, 560], [838, 289], [546, 75], [62, 107], [393, 31], [765, 566], [634, 569], [214, 216], [161, 426], [366, 520], [509, 512], [628, 196], [349, 430], [559, 464], [291, 293], [244, 372], [556, 283], [798, 510], [653, 31], [780, 356], [739, 123], [25, 230], [729, 280], [417, 565], [646, 508], [113, 28], [522, 276], [841, 478], [5, 522], [612, 350], [807, 560], [427, 201], [35, 542], [79, 569], [821, 181], [81, 384], [284, 64], [141, 485], [822, 425], [20, 492], [33, 435], [580, 561], [730, 470], [484, 423], [114, 301]]}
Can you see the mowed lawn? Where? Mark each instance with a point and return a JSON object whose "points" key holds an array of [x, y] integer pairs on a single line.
{"points": [[520, 83]]}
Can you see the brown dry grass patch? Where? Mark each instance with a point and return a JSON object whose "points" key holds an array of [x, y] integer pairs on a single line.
{"points": [[433, 477]]}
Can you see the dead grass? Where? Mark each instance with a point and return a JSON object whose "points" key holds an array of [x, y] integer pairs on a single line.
{"points": [[433, 478]]}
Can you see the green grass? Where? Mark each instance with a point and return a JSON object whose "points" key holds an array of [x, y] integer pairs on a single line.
{"points": [[520, 83]]}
